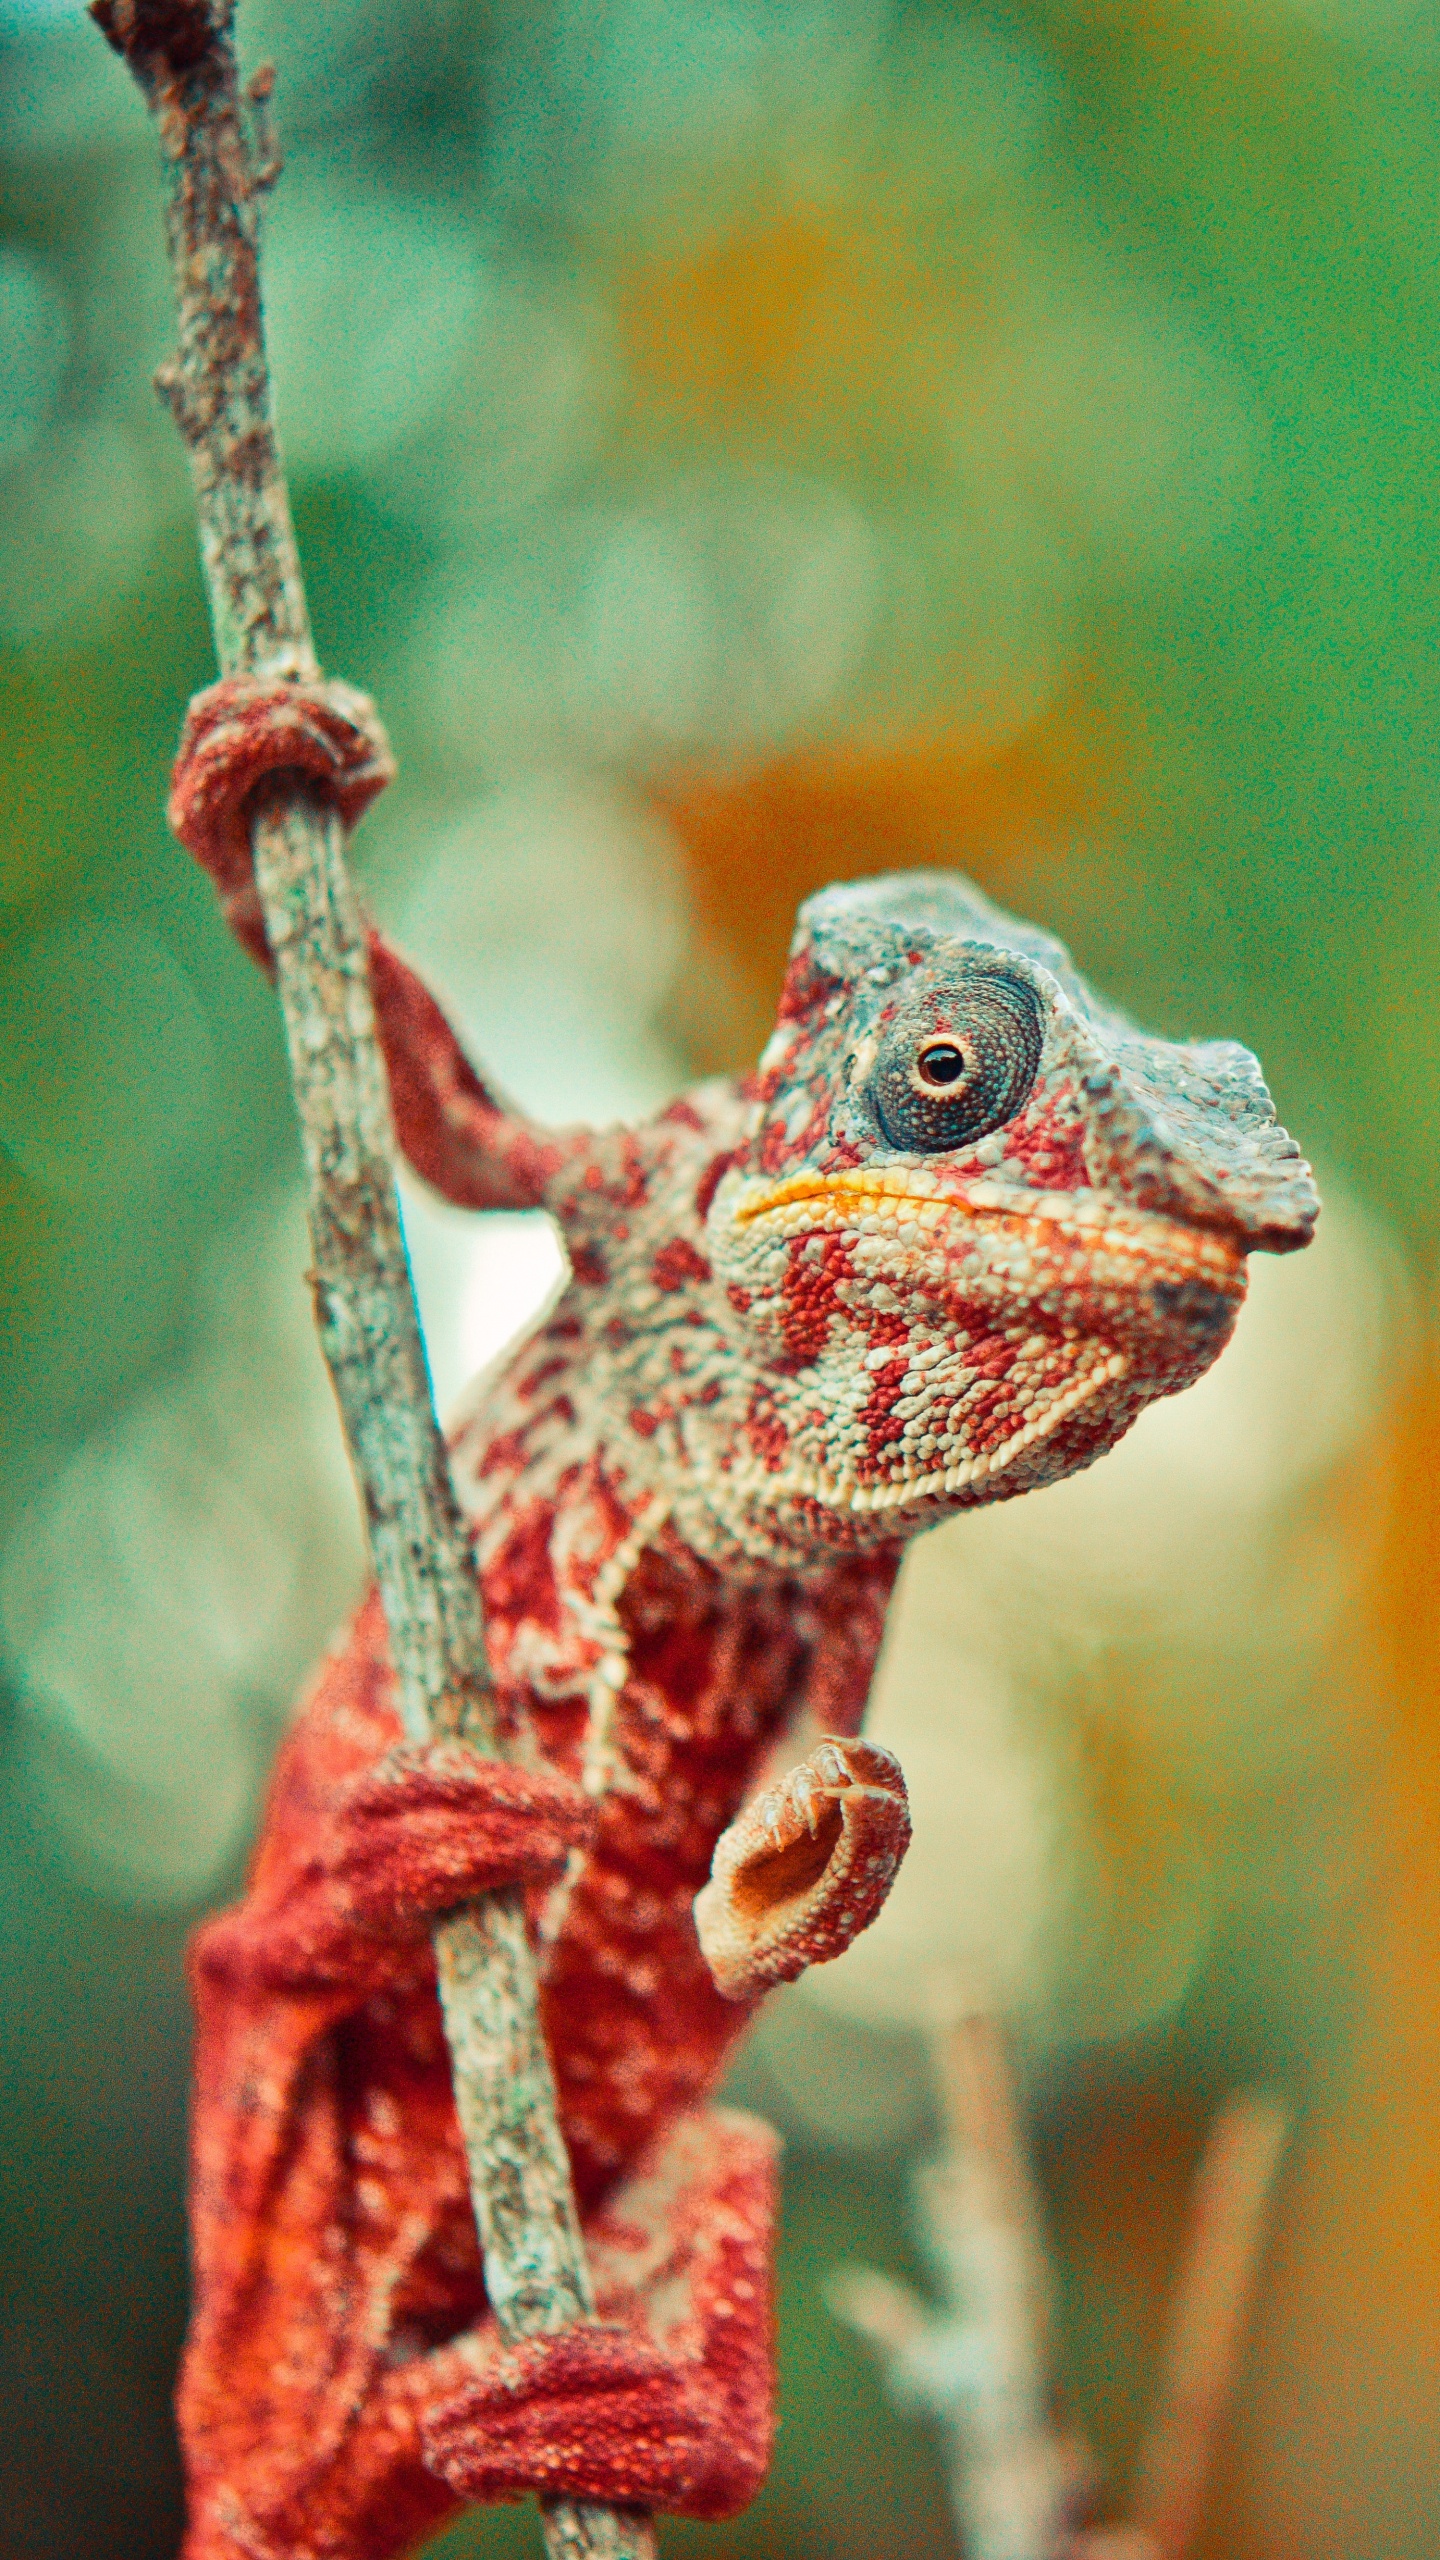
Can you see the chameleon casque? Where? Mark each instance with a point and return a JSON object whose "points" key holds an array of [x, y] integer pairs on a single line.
{"points": [[959, 1226]]}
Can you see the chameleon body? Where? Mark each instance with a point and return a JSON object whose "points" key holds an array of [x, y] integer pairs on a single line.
{"points": [[958, 1227]]}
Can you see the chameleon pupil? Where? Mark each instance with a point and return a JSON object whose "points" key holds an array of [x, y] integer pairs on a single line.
{"points": [[943, 1065]]}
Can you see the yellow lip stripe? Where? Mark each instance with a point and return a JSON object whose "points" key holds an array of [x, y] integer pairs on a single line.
{"points": [[1092, 1221]]}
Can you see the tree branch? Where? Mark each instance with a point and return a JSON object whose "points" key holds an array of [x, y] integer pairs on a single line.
{"points": [[182, 55], [1015, 2476], [980, 2365]]}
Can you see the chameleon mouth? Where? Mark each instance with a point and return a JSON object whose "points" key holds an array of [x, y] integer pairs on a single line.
{"points": [[918, 1207]]}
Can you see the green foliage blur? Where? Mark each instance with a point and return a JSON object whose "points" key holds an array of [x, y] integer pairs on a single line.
{"points": [[675, 391]]}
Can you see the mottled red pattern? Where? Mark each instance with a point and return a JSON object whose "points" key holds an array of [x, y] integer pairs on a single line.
{"points": [[676, 1262], [785, 1348], [815, 1268], [334, 2243]]}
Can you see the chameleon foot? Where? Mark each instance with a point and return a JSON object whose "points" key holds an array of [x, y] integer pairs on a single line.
{"points": [[435, 1823], [597, 2412], [804, 1868], [238, 733], [666, 2400], [428, 1827]]}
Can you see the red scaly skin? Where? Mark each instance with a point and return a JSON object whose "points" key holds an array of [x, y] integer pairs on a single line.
{"points": [[958, 1228]]}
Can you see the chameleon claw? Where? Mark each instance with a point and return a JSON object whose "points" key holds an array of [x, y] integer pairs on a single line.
{"points": [[434, 1823], [598, 2412]]}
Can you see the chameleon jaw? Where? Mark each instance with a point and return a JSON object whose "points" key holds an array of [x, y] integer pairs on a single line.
{"points": [[1106, 1304], [937, 1484]]}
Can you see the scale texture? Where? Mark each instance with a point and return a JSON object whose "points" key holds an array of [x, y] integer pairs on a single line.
{"points": [[961, 1224]]}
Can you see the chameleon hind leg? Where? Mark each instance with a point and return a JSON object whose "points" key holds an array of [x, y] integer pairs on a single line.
{"points": [[666, 2400]]}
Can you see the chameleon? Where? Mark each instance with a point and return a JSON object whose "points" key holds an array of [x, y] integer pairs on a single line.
{"points": [[957, 1228]]}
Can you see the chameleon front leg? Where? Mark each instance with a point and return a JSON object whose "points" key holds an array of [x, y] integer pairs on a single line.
{"points": [[427, 1827], [300, 2238], [458, 1135], [666, 2400]]}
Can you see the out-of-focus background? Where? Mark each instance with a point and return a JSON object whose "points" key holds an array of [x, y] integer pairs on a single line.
{"points": [[742, 443]]}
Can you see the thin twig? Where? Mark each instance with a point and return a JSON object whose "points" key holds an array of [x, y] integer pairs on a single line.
{"points": [[182, 55], [891, 2315], [979, 2363], [1014, 2476], [980, 2367], [267, 161], [972, 2069], [1228, 2218]]}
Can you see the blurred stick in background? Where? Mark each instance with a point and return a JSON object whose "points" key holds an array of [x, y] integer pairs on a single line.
{"points": [[983, 2367], [182, 56], [1229, 2215], [982, 2220]]}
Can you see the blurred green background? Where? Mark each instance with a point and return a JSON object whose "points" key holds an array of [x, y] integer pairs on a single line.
{"points": [[741, 442]]}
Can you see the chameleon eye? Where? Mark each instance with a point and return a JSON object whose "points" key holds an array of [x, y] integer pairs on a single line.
{"points": [[941, 1090]]}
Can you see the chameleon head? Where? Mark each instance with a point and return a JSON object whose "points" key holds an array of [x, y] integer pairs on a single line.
{"points": [[979, 1220]]}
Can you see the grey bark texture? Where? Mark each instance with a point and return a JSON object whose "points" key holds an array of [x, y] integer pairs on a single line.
{"points": [[181, 53]]}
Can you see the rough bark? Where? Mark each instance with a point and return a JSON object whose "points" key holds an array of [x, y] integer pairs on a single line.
{"points": [[217, 386]]}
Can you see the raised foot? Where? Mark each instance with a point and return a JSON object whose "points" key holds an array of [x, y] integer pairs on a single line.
{"points": [[803, 1869]]}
